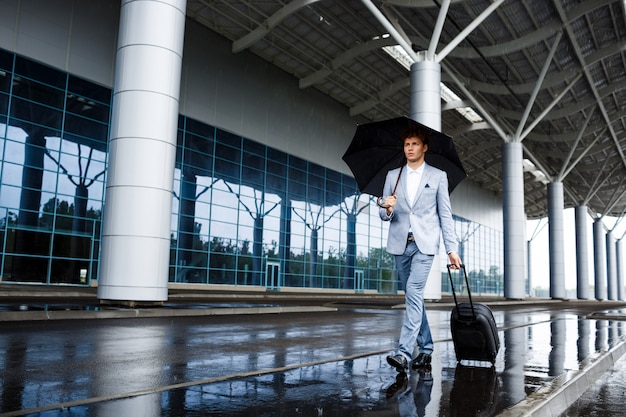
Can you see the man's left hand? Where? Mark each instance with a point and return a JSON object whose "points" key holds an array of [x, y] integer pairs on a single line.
{"points": [[455, 260]]}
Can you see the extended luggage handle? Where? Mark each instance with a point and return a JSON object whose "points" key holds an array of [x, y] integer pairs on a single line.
{"points": [[469, 293]]}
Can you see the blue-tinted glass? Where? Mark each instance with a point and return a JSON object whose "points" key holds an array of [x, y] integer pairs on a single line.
{"points": [[276, 155], [6, 60], [87, 108], [253, 160], [86, 131], [89, 90], [276, 168], [226, 170], [200, 144], [315, 169], [39, 72], [5, 81], [349, 186], [253, 177], [297, 163], [227, 138], [35, 114], [37, 92], [276, 183], [226, 152], [251, 147], [199, 128], [4, 107]]}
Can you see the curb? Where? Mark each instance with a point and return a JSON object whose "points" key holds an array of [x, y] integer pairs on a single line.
{"points": [[109, 313], [557, 396]]}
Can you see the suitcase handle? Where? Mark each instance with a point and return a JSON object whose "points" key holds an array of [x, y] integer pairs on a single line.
{"points": [[469, 293]]}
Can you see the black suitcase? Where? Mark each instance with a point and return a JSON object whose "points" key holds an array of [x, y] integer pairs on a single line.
{"points": [[474, 331]]}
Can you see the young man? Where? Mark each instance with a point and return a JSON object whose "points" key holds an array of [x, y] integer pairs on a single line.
{"points": [[419, 214]]}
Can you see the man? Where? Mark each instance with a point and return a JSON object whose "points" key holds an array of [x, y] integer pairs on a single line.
{"points": [[418, 209]]}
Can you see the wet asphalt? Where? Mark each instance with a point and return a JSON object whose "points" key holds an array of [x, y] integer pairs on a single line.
{"points": [[316, 357]]}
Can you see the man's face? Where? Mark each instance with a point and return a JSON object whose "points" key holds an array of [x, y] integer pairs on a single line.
{"points": [[414, 149]]}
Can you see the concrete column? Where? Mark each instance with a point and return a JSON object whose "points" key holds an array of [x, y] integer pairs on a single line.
{"points": [[514, 220], [582, 253], [556, 239], [619, 260], [426, 109], [142, 151], [611, 267], [529, 280], [599, 255]]}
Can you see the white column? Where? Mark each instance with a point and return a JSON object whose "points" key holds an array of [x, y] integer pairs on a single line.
{"points": [[142, 151], [426, 109], [556, 239], [619, 261], [514, 219], [611, 267], [582, 254], [529, 280], [599, 254]]}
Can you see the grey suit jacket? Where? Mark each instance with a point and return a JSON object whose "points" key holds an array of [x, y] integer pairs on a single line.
{"points": [[429, 216]]}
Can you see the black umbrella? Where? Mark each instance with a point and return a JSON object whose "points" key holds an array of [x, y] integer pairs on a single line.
{"points": [[377, 148]]}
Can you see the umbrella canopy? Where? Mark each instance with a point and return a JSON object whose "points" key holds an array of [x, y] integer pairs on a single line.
{"points": [[377, 148]]}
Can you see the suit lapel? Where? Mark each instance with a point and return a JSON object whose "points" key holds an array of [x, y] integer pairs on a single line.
{"points": [[403, 184]]}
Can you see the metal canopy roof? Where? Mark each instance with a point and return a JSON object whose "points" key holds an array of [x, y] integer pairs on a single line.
{"points": [[548, 72]]}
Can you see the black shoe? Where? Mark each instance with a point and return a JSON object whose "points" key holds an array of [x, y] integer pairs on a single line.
{"points": [[422, 360], [399, 385], [398, 361]]}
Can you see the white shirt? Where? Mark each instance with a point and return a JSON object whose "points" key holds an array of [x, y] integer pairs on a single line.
{"points": [[414, 176]]}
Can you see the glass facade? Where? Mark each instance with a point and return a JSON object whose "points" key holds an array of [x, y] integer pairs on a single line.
{"points": [[243, 212]]}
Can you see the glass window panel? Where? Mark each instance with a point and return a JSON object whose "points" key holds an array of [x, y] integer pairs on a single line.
{"points": [[251, 160], [277, 156], [228, 139], [254, 148], [226, 170], [69, 271], [253, 177], [33, 91], [11, 174], [39, 72], [297, 175], [4, 105], [89, 132], [276, 168], [37, 114], [10, 196], [89, 90], [25, 269], [200, 144], [6, 60], [200, 129]]}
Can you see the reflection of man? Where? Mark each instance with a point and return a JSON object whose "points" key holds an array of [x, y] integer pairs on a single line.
{"points": [[412, 401], [419, 212]]}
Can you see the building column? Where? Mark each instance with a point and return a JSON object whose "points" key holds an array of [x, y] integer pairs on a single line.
{"points": [[529, 279], [514, 220], [556, 239], [619, 262], [142, 151], [582, 253], [599, 260], [611, 267], [425, 96]]}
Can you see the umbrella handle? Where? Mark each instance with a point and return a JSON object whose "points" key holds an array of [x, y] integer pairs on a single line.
{"points": [[394, 190]]}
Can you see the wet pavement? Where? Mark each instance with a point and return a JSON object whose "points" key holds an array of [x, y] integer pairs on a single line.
{"points": [[322, 358]]}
